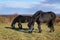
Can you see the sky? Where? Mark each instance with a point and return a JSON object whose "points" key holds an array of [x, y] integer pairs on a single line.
{"points": [[28, 6]]}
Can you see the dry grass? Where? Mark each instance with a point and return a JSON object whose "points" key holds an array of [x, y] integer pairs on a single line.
{"points": [[9, 34]]}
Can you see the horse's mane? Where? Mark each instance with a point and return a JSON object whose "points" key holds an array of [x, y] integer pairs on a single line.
{"points": [[37, 13]]}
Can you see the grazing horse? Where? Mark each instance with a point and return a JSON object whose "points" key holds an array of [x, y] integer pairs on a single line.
{"points": [[20, 19], [40, 17]]}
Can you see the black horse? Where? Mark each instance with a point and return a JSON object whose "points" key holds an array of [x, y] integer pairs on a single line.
{"points": [[20, 19], [40, 17]]}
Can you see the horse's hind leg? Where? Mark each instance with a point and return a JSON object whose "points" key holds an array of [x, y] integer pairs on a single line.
{"points": [[50, 25], [19, 25]]}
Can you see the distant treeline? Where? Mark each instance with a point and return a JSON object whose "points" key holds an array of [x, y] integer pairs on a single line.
{"points": [[6, 18], [9, 18]]}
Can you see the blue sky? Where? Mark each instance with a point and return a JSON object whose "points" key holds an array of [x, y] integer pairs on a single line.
{"points": [[28, 6]]}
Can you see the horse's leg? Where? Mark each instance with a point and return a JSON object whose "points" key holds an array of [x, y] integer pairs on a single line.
{"points": [[50, 25], [19, 24], [39, 27], [13, 25], [31, 28]]}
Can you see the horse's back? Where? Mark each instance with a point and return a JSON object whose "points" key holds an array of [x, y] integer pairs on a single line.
{"points": [[46, 16]]}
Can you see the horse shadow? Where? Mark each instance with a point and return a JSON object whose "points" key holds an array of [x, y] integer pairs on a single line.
{"points": [[25, 30]]}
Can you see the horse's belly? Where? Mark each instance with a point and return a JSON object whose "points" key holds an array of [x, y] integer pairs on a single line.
{"points": [[44, 19]]}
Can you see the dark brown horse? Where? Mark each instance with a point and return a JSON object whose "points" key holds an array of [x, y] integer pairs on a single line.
{"points": [[40, 17], [20, 19]]}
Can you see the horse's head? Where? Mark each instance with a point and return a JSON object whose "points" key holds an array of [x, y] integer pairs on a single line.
{"points": [[31, 23]]}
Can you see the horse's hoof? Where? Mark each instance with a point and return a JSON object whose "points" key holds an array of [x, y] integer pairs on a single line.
{"points": [[39, 31], [29, 31], [13, 28], [51, 31], [20, 27]]}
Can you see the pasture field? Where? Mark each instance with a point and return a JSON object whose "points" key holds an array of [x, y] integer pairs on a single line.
{"points": [[6, 33]]}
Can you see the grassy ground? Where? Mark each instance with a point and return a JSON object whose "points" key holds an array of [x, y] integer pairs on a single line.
{"points": [[6, 33]]}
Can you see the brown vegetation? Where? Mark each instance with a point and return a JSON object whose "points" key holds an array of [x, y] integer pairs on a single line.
{"points": [[9, 18], [57, 21]]}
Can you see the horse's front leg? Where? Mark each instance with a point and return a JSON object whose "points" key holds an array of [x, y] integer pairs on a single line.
{"points": [[19, 25], [39, 27], [13, 25]]}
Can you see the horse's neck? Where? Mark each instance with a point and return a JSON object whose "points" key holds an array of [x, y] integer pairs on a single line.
{"points": [[33, 19], [34, 16]]}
